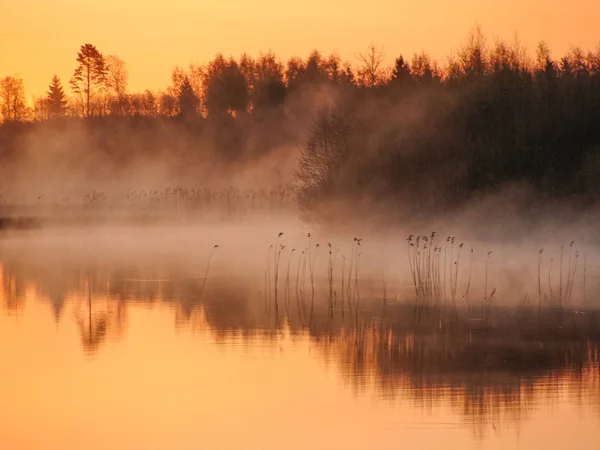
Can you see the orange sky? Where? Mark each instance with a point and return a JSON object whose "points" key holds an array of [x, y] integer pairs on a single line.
{"points": [[39, 38]]}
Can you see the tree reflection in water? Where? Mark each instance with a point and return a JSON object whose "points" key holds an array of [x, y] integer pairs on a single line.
{"points": [[494, 376]]}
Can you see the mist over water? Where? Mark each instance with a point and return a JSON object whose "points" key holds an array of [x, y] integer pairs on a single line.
{"points": [[215, 305], [308, 256], [115, 317]]}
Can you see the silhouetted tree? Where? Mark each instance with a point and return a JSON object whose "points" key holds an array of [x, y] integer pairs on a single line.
{"points": [[40, 109], [178, 75], [56, 99], [347, 74], [90, 74], [472, 58], [314, 72], [188, 102], [248, 68], [294, 72], [144, 104], [371, 71], [423, 69], [401, 72], [332, 66], [168, 105], [502, 60], [225, 89], [12, 95], [268, 89], [116, 82], [544, 62]]}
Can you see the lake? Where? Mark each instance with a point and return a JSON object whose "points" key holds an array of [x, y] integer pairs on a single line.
{"points": [[126, 338]]}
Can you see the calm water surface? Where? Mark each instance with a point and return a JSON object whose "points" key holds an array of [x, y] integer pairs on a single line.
{"points": [[131, 357]]}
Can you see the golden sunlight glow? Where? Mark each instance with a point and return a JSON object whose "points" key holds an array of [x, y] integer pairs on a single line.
{"points": [[39, 39]]}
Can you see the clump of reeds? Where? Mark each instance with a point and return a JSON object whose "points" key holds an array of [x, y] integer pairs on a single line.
{"points": [[430, 271], [566, 278]]}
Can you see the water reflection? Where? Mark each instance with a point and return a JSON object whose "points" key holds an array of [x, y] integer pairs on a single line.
{"points": [[492, 376], [13, 289], [490, 382]]}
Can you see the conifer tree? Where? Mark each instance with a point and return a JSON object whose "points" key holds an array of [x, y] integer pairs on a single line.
{"points": [[56, 99]]}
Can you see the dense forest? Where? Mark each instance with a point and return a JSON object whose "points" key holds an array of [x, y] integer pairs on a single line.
{"points": [[420, 138]]}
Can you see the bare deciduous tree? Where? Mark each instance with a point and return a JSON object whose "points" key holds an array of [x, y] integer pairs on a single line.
{"points": [[116, 81], [12, 96], [371, 71]]}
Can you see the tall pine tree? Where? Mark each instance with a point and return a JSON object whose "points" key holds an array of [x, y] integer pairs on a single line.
{"points": [[56, 100], [90, 75]]}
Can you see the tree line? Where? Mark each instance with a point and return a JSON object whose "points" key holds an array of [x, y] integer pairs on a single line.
{"points": [[422, 135], [427, 141], [230, 86]]}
